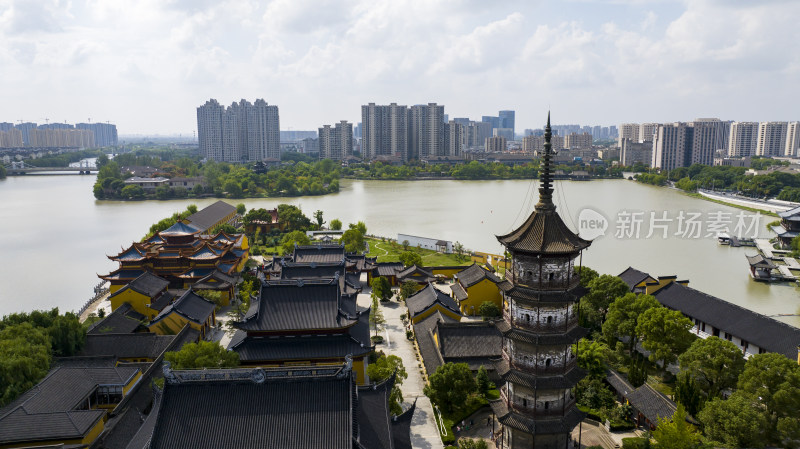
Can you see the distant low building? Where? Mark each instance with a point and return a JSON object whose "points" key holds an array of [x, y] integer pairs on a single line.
{"points": [[147, 184], [444, 246]]}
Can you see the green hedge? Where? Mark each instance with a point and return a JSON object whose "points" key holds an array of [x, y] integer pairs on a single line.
{"points": [[635, 443]]}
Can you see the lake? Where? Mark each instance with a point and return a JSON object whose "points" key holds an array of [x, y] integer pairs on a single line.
{"points": [[56, 236]]}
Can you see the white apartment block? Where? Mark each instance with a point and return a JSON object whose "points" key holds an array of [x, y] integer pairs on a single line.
{"points": [[456, 138], [241, 132], [426, 131], [646, 131], [792, 139], [670, 146], [771, 139], [575, 141], [384, 131], [743, 139], [628, 131], [636, 152], [495, 144], [336, 142], [708, 135]]}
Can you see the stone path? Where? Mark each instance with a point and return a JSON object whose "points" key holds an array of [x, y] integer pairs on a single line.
{"points": [[424, 434]]}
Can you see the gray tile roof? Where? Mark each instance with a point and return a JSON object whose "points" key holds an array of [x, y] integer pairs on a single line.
{"points": [[632, 276], [209, 216], [415, 273], [354, 340], [469, 339], [474, 274], [312, 270], [388, 269], [426, 298], [138, 345], [542, 427], [149, 284], [619, 383], [459, 292], [122, 320], [423, 331], [190, 306], [543, 233], [300, 304], [765, 332], [48, 410], [652, 404], [318, 254], [401, 428], [288, 409]]}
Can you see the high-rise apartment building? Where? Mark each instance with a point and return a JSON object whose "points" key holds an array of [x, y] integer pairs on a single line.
{"points": [[11, 138], [629, 131], [426, 131], [743, 139], [672, 146], [455, 138], [508, 133], [336, 143], [240, 132], [477, 133], [105, 134], [58, 138], [384, 131], [646, 131], [708, 136], [575, 141], [535, 143], [25, 129], [632, 153], [792, 139], [771, 139], [495, 144]]}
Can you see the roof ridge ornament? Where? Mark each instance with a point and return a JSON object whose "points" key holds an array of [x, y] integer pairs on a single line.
{"points": [[546, 179]]}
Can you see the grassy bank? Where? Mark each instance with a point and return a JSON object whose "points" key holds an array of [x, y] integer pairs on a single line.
{"points": [[737, 206], [389, 251]]}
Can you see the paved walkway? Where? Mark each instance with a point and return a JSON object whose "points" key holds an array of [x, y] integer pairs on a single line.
{"points": [[424, 434]]}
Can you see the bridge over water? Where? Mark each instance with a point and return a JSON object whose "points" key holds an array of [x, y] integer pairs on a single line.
{"points": [[23, 168]]}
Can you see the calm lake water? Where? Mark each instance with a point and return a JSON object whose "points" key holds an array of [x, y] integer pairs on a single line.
{"points": [[56, 235]]}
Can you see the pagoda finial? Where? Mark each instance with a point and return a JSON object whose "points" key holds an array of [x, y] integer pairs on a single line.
{"points": [[546, 178]]}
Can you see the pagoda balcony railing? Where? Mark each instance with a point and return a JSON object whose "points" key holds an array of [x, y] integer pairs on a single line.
{"points": [[540, 370], [556, 284], [543, 327], [553, 411]]}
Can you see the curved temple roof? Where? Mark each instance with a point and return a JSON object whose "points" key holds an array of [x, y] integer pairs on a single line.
{"points": [[544, 232]]}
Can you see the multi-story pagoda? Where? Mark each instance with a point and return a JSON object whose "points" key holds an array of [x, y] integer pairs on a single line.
{"points": [[540, 323]]}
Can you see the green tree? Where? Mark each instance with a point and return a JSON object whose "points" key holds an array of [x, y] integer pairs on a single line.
{"points": [[203, 354], [24, 359], [241, 209], [637, 371], [376, 318], [469, 443], [407, 289], [775, 380], [192, 208], [450, 386], [714, 364], [593, 393], [381, 370], [405, 244], [381, 288], [132, 192], [67, 335], [623, 315], [293, 218], [686, 185], [461, 255], [483, 382], [603, 290], [163, 192], [336, 224], [360, 226], [2, 172], [587, 275], [318, 217], [688, 394], [665, 333], [353, 241], [592, 356], [259, 214], [233, 189], [738, 421], [291, 238], [489, 309], [676, 433], [409, 258], [198, 189]]}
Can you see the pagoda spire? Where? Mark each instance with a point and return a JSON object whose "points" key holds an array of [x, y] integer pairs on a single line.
{"points": [[546, 178]]}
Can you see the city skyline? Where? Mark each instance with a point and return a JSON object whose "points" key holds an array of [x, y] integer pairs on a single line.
{"points": [[146, 65]]}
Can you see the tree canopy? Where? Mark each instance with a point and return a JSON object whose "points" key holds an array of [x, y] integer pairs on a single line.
{"points": [[714, 364], [381, 288], [665, 333], [203, 354], [382, 369], [623, 315], [450, 386], [676, 433], [409, 258]]}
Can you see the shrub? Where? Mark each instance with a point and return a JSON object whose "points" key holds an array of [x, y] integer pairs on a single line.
{"points": [[635, 443]]}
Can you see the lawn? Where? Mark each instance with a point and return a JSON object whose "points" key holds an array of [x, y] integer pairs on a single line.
{"points": [[389, 251]]}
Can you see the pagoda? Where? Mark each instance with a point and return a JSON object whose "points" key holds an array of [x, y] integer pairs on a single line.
{"points": [[537, 407]]}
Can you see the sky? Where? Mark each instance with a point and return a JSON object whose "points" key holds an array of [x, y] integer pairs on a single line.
{"points": [[146, 65]]}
